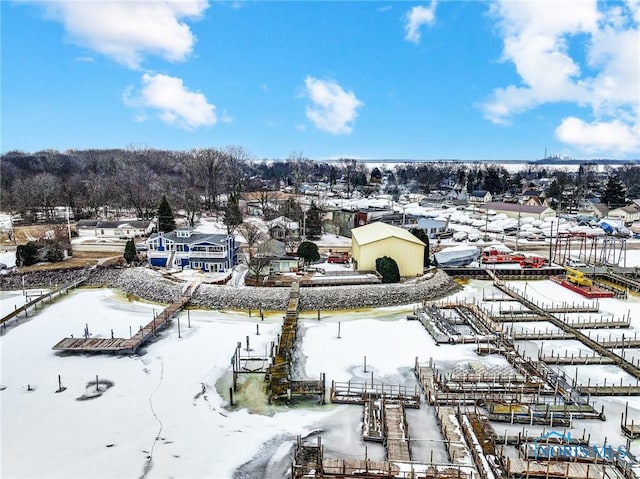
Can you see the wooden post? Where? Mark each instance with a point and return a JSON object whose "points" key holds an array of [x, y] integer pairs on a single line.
{"points": [[188, 318], [97, 389], [179, 327], [365, 364], [257, 330], [231, 396], [338, 329]]}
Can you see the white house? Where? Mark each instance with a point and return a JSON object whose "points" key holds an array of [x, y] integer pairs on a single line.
{"points": [[123, 229]]}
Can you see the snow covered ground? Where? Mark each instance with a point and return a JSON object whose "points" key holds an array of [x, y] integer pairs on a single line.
{"points": [[167, 412]]}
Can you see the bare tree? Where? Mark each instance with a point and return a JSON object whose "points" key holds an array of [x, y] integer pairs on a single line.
{"points": [[236, 163], [253, 235], [208, 165], [260, 261], [45, 188]]}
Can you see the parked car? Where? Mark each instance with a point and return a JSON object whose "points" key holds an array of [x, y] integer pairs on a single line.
{"points": [[339, 258], [575, 263]]}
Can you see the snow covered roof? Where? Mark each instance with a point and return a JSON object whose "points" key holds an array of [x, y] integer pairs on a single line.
{"points": [[378, 231], [498, 205]]}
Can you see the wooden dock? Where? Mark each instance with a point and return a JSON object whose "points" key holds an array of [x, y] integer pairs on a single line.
{"points": [[457, 449], [542, 336], [361, 393], [603, 390], [622, 280], [517, 468], [577, 360], [282, 387], [621, 362], [310, 462], [126, 345], [396, 432], [42, 299]]}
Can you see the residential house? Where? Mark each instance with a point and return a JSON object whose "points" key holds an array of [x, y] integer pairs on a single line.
{"points": [[367, 215], [593, 207], [375, 240], [627, 214], [185, 248], [480, 196], [257, 203], [283, 228], [280, 262], [432, 227], [400, 219], [515, 210], [123, 229]]}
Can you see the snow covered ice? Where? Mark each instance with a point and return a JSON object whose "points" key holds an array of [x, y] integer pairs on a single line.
{"points": [[168, 414]]}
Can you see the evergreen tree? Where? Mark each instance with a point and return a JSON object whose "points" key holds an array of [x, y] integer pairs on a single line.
{"points": [[313, 223], [615, 192], [308, 251], [166, 220], [232, 214], [27, 254], [388, 269], [422, 236], [130, 251]]}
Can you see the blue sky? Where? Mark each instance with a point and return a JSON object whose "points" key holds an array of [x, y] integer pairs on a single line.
{"points": [[468, 80]]}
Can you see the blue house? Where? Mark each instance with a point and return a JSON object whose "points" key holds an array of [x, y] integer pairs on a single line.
{"points": [[184, 248]]}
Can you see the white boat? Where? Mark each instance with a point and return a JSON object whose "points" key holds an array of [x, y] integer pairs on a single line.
{"points": [[473, 237], [459, 236], [460, 255]]}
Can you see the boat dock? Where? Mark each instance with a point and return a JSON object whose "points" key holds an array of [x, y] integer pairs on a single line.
{"points": [[310, 462], [127, 345], [534, 469], [457, 449], [282, 387], [361, 393], [396, 432], [41, 299]]}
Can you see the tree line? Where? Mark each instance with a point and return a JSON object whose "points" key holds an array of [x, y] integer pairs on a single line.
{"points": [[135, 179]]}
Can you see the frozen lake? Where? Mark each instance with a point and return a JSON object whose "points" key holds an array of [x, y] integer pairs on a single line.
{"points": [[167, 413]]}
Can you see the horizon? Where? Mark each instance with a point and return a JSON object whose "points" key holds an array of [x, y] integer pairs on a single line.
{"points": [[466, 81]]}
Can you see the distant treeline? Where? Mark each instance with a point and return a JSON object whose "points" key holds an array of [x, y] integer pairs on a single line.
{"points": [[194, 181]]}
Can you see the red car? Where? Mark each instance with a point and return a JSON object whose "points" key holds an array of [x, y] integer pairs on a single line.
{"points": [[338, 258]]}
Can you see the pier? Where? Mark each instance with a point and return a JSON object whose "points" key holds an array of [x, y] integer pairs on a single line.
{"points": [[361, 393], [127, 345], [396, 432], [621, 362], [41, 300], [282, 387], [310, 462]]}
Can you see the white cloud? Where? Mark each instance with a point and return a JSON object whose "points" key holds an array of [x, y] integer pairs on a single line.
{"points": [[128, 30], [416, 17], [332, 109], [599, 137], [173, 103], [542, 42]]}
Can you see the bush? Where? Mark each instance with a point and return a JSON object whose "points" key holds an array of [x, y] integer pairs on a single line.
{"points": [[388, 269], [27, 254]]}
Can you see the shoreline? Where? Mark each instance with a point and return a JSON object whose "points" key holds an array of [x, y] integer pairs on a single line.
{"points": [[154, 286]]}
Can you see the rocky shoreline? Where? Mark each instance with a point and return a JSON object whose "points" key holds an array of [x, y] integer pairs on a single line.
{"points": [[154, 285]]}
